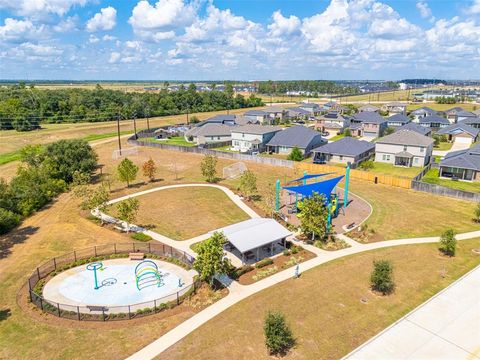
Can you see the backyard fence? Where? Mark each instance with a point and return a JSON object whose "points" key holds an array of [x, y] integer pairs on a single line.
{"points": [[110, 313], [445, 191]]}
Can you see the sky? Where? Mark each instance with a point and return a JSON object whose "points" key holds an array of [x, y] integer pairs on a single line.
{"points": [[239, 39]]}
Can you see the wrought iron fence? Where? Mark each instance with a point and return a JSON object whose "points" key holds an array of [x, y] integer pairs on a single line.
{"points": [[111, 313]]}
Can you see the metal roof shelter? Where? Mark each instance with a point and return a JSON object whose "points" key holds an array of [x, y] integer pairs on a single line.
{"points": [[254, 233]]}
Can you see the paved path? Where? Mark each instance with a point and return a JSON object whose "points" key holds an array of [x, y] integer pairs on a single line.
{"points": [[239, 292], [447, 326]]}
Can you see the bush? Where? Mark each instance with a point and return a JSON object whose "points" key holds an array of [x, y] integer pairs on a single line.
{"points": [[287, 252], [381, 278], [8, 220], [448, 243], [263, 263], [278, 336], [295, 155], [367, 165], [141, 237]]}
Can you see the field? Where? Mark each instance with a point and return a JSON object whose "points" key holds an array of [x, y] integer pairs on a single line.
{"points": [[184, 213], [398, 171], [443, 107], [324, 307], [431, 177]]}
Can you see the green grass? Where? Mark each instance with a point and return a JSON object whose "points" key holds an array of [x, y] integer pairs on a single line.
{"points": [[337, 137], [9, 157], [175, 140], [444, 146], [93, 137], [399, 171], [431, 177]]}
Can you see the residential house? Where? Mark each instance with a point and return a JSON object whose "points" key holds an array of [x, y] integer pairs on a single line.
{"points": [[275, 113], [394, 108], [242, 120], [368, 124], [298, 113], [434, 122], [460, 132], [332, 122], [312, 108], [344, 151], [331, 105], [457, 114], [461, 165], [209, 133], [422, 112], [368, 108], [473, 122], [257, 115], [302, 137], [416, 127], [476, 112], [225, 119], [404, 148], [252, 138], [397, 120]]}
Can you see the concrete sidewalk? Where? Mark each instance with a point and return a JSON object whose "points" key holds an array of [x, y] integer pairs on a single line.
{"points": [[447, 326]]}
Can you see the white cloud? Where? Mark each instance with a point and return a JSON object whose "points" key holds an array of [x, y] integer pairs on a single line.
{"points": [[283, 26], [109, 38], [114, 57], [36, 8], [106, 19], [66, 25], [20, 30], [425, 11], [93, 39], [475, 8]]}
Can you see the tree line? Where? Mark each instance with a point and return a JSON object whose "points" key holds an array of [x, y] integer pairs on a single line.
{"points": [[25, 108], [310, 86]]}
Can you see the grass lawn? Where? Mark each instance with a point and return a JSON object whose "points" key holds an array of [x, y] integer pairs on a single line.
{"points": [[184, 213], [431, 177], [323, 307], [444, 146], [9, 157], [337, 137], [399, 171]]}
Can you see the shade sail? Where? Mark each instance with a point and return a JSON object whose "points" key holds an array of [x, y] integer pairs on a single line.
{"points": [[324, 187], [309, 176]]}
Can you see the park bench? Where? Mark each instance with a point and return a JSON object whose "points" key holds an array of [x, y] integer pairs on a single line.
{"points": [[136, 256], [349, 226]]}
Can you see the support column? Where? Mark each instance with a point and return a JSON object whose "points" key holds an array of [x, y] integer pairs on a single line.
{"points": [[347, 179], [277, 195]]}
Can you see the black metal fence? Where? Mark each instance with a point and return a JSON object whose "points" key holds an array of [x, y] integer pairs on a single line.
{"points": [[103, 313]]}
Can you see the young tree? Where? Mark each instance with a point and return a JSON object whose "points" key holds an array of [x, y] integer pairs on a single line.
{"points": [[313, 216], [382, 277], [367, 165], [278, 336], [208, 166], [96, 199], [211, 258], [127, 171], [149, 169], [248, 184], [296, 154], [127, 210], [448, 243], [347, 132], [477, 213], [269, 199]]}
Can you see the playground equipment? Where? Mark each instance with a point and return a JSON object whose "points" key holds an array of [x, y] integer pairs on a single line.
{"points": [[147, 274], [94, 267], [234, 171], [117, 154]]}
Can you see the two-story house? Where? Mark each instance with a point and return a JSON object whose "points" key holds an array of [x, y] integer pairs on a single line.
{"points": [[457, 114], [252, 138], [422, 112], [398, 120], [395, 108], [257, 115], [312, 108], [332, 122], [404, 148], [434, 122], [368, 124]]}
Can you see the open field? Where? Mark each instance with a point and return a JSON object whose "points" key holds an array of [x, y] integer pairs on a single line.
{"points": [[431, 177], [323, 307], [184, 213], [443, 107]]}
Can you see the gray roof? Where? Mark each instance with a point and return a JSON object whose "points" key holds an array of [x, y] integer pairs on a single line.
{"points": [[334, 115], [395, 103], [309, 105], [458, 128], [254, 233], [368, 108], [347, 146], [298, 110], [476, 112], [434, 119], [460, 112], [406, 137], [210, 130], [255, 129], [424, 110], [273, 110], [399, 118], [300, 136], [242, 120], [470, 121], [369, 117], [255, 113], [464, 159], [415, 127]]}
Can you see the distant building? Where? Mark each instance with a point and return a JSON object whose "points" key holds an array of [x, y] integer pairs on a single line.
{"points": [[368, 108], [398, 120], [395, 108], [369, 124], [332, 122], [417, 128], [252, 138], [422, 112], [257, 115]]}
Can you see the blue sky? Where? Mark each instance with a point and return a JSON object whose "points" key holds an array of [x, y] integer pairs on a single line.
{"points": [[239, 39]]}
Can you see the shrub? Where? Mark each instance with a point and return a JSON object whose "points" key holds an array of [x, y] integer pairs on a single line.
{"points": [[347, 132], [295, 249], [141, 237], [367, 165], [263, 263], [243, 270], [278, 336], [381, 278], [296, 154], [286, 252], [448, 243], [477, 213], [8, 220]]}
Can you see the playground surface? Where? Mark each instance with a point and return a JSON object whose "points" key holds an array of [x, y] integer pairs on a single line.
{"points": [[117, 285], [445, 327]]}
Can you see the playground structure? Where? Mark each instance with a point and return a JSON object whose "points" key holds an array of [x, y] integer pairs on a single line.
{"points": [[302, 189], [118, 154], [147, 274], [94, 267], [234, 171]]}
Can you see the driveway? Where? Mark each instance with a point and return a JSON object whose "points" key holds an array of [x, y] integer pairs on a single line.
{"points": [[456, 146], [445, 327]]}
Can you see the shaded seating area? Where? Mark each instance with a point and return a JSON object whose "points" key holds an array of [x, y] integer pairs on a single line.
{"points": [[254, 239]]}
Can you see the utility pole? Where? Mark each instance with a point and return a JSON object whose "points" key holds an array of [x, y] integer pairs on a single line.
{"points": [[188, 109], [118, 134], [135, 124], [147, 113]]}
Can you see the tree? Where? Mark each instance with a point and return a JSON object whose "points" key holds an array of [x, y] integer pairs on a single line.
{"points": [[210, 258], [347, 132], [149, 169], [127, 171], [296, 154], [313, 216], [278, 336], [208, 166], [389, 130], [127, 211], [477, 213], [8, 220], [269, 199], [248, 184], [367, 165], [194, 119], [382, 277], [96, 199], [448, 243]]}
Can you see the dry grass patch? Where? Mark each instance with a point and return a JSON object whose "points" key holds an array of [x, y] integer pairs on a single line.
{"points": [[324, 306]]}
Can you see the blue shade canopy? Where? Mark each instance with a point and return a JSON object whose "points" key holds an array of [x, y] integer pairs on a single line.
{"points": [[310, 176], [324, 187]]}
